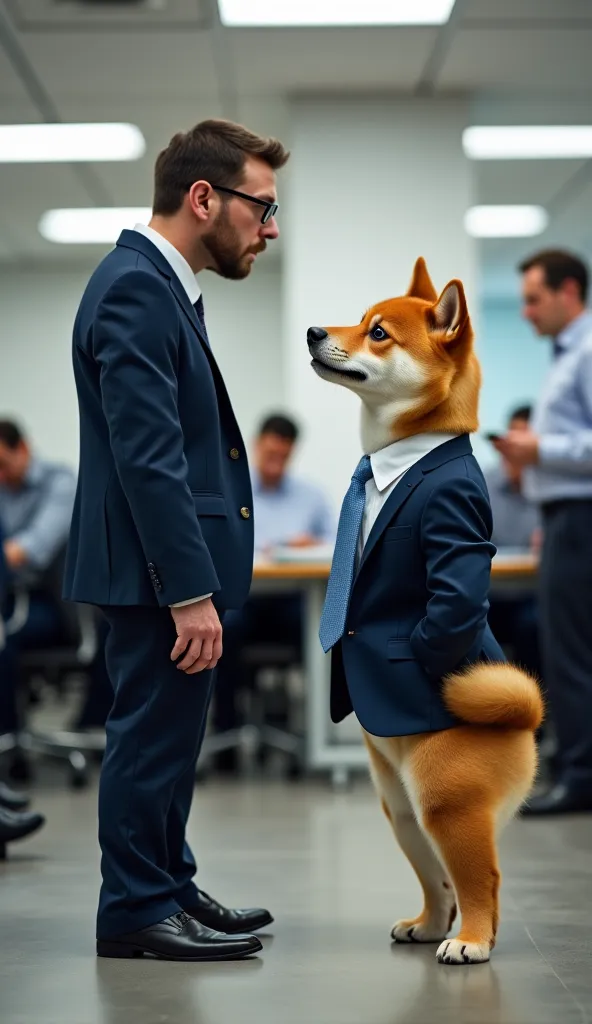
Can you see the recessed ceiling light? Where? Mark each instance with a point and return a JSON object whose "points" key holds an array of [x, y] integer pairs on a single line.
{"points": [[93, 225], [67, 143], [290, 13], [528, 142], [505, 221]]}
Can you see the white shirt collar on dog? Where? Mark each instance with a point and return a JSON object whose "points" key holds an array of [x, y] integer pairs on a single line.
{"points": [[388, 466], [389, 463]]}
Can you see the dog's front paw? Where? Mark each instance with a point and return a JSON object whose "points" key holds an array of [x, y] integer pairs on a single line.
{"points": [[418, 931], [455, 951]]}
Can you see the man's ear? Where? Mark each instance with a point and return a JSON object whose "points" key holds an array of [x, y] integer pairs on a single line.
{"points": [[421, 286], [449, 314]]}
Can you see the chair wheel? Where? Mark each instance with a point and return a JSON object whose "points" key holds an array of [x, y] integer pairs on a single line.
{"points": [[79, 774], [20, 769], [79, 779]]}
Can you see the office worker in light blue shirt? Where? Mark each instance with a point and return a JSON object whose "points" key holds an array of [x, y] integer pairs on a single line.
{"points": [[557, 456], [36, 500], [287, 511]]}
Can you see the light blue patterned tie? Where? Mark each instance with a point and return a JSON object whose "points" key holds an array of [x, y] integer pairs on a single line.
{"points": [[344, 557]]}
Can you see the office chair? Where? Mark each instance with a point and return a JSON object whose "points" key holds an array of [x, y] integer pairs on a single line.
{"points": [[74, 653], [274, 669]]}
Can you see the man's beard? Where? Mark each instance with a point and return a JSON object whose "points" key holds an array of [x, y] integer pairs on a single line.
{"points": [[228, 257]]}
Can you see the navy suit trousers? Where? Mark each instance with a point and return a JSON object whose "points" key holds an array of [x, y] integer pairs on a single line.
{"points": [[154, 734]]}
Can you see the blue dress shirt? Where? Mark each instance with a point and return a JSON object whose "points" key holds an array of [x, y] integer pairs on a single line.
{"points": [[563, 420]]}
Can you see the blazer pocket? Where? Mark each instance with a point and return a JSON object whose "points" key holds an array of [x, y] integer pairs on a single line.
{"points": [[398, 533], [208, 504], [400, 650]]}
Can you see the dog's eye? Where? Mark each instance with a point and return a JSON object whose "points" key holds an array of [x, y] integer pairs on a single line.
{"points": [[378, 334]]}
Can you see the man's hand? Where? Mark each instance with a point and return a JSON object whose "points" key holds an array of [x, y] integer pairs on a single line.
{"points": [[15, 555], [199, 636], [519, 447]]}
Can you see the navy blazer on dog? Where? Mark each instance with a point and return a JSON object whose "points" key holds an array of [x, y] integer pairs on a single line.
{"points": [[163, 506], [419, 602]]}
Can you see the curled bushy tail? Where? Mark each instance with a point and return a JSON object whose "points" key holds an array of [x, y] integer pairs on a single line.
{"points": [[495, 693]]}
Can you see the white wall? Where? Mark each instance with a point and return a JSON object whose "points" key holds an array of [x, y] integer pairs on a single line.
{"points": [[513, 360], [36, 381]]}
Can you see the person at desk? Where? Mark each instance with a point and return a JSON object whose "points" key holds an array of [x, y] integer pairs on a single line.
{"points": [[36, 501], [513, 616], [288, 511], [557, 458]]}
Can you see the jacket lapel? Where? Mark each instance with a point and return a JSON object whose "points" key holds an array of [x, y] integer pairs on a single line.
{"points": [[134, 240], [392, 505], [454, 449]]}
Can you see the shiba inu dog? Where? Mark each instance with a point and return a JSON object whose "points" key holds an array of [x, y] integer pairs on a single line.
{"points": [[448, 723]]}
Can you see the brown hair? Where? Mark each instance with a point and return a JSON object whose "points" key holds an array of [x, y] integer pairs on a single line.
{"points": [[214, 151], [11, 434], [559, 266]]}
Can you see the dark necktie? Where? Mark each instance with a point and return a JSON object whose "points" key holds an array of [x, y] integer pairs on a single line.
{"points": [[199, 309]]}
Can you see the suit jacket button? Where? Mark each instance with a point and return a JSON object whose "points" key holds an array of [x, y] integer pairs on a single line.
{"points": [[234, 453], [245, 512], [351, 632]]}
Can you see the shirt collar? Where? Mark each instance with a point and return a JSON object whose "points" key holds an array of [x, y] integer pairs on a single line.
{"points": [[178, 262], [575, 332], [391, 462]]}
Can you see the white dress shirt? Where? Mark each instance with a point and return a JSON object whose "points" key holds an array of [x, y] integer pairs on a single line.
{"points": [[189, 281], [175, 260], [389, 466]]}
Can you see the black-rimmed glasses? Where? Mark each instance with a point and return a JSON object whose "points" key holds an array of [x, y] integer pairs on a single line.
{"points": [[270, 208]]}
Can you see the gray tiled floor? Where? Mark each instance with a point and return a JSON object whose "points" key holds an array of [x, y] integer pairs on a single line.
{"points": [[325, 863]]}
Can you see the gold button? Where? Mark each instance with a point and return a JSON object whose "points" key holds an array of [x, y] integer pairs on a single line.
{"points": [[234, 453], [351, 632], [245, 512]]}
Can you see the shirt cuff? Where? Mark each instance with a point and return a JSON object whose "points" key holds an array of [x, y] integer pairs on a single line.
{"points": [[191, 600], [554, 449]]}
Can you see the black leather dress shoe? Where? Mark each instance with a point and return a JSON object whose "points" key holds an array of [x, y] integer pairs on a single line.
{"points": [[179, 937], [558, 800], [12, 800], [16, 825], [211, 913]]}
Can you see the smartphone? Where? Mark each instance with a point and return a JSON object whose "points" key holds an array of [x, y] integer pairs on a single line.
{"points": [[493, 437]]}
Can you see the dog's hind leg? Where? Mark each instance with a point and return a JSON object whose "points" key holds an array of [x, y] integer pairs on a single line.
{"points": [[465, 838], [439, 912]]}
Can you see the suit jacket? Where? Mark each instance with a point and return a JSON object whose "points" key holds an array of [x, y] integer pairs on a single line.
{"points": [[163, 505], [419, 602]]}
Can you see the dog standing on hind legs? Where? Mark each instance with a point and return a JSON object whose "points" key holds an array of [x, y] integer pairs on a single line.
{"points": [[448, 723]]}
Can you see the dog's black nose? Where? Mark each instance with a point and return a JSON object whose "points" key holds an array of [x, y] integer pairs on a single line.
{"points": [[316, 334]]}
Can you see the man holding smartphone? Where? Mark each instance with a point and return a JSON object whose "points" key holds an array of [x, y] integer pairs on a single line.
{"points": [[556, 455]]}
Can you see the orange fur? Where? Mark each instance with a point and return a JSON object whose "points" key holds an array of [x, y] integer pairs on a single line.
{"points": [[447, 794]]}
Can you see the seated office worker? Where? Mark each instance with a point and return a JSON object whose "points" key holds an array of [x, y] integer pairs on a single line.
{"points": [[15, 821], [173, 547], [288, 511], [36, 500]]}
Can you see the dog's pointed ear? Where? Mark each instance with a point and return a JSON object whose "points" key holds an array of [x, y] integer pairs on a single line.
{"points": [[449, 314], [421, 286]]}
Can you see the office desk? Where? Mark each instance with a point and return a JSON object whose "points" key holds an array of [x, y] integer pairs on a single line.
{"points": [[338, 749]]}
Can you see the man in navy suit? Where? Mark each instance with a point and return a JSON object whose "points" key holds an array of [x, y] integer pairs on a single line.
{"points": [[162, 534]]}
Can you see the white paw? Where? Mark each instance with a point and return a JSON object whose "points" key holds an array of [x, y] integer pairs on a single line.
{"points": [[455, 951], [428, 931]]}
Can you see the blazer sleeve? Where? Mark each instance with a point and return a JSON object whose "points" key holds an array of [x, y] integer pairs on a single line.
{"points": [[135, 344], [455, 536]]}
